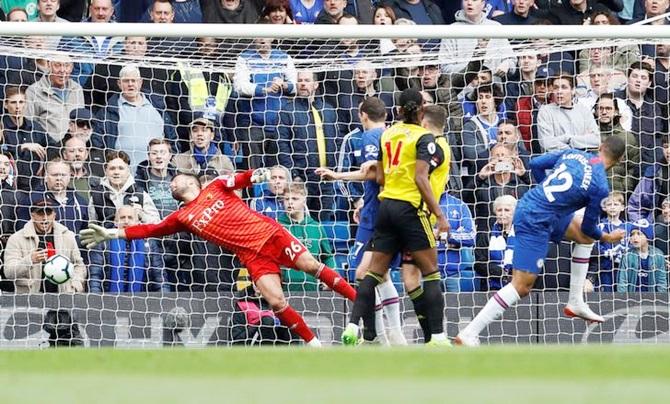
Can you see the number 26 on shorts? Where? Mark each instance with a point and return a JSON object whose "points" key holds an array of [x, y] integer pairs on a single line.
{"points": [[293, 250]]}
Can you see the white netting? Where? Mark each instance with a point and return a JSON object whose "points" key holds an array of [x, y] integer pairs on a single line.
{"points": [[261, 113]]}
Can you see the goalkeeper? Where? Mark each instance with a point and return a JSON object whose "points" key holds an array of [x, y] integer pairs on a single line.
{"points": [[218, 215]]}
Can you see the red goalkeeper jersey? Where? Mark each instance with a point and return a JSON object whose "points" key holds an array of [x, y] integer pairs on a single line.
{"points": [[217, 215]]}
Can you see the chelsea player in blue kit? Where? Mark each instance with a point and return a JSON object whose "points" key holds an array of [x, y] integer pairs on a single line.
{"points": [[373, 114], [547, 213]]}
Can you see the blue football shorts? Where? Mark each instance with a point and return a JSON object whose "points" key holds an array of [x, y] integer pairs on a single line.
{"points": [[532, 234]]}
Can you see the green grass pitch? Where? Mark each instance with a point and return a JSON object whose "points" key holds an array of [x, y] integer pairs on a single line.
{"points": [[416, 375]]}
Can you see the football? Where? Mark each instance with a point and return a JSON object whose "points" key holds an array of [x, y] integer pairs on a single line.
{"points": [[58, 269]]}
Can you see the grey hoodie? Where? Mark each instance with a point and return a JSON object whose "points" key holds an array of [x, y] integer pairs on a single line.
{"points": [[561, 128], [456, 53]]}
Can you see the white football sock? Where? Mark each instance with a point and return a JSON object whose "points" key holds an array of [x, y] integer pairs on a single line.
{"points": [[579, 268], [379, 319], [391, 302], [494, 308]]}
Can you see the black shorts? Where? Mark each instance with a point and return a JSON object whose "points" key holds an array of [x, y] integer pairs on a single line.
{"points": [[401, 227]]}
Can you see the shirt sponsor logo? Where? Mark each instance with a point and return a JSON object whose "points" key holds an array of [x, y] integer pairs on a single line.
{"points": [[371, 151], [207, 215]]}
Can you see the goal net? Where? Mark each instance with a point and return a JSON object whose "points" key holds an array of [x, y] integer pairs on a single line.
{"points": [[95, 127]]}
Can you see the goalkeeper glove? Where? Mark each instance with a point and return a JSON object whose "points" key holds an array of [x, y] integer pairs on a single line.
{"points": [[95, 235], [260, 175]]}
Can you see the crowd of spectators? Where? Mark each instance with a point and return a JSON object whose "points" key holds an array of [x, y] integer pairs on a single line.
{"points": [[86, 142]]}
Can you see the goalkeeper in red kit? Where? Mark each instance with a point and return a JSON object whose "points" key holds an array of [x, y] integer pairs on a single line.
{"points": [[218, 215]]}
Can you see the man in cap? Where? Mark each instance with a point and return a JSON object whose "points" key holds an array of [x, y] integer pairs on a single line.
{"points": [[527, 108], [28, 249], [203, 153]]}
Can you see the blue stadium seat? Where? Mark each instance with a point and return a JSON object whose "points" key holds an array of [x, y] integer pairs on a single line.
{"points": [[464, 281], [342, 265], [258, 189], [338, 233], [396, 278]]}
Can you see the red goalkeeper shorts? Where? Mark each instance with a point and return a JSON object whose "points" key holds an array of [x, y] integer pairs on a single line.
{"points": [[282, 249]]}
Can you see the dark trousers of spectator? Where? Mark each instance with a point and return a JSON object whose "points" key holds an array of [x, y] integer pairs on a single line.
{"points": [[194, 265], [259, 146], [603, 273], [176, 250], [213, 268], [191, 273], [606, 281], [556, 273], [5, 284]]}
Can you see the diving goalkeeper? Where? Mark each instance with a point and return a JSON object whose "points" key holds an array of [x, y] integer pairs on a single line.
{"points": [[218, 215]]}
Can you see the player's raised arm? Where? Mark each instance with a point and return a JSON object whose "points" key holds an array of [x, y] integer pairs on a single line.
{"points": [[244, 179], [540, 164], [368, 171]]}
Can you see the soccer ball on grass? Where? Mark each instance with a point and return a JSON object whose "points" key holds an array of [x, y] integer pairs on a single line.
{"points": [[58, 269]]}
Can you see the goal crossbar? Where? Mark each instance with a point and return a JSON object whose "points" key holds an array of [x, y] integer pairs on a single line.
{"points": [[337, 31]]}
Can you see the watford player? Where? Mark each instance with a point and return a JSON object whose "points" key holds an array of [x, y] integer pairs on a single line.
{"points": [[413, 168], [218, 215]]}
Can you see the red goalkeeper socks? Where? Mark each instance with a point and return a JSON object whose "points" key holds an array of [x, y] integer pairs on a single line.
{"points": [[336, 282], [294, 321]]}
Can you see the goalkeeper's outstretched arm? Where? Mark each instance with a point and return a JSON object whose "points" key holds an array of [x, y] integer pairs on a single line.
{"points": [[96, 234]]}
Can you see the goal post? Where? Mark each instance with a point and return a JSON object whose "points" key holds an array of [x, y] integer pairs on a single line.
{"points": [[212, 99]]}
